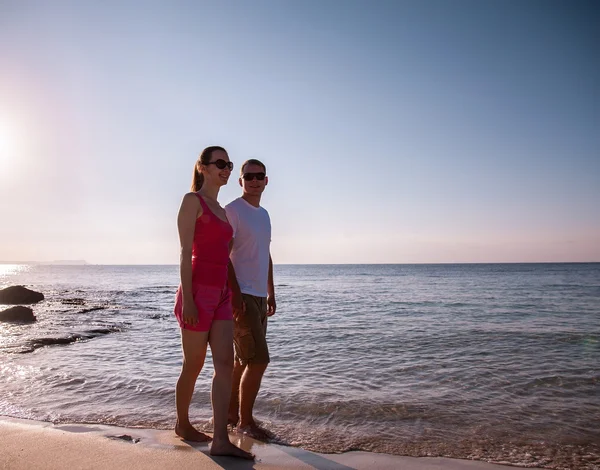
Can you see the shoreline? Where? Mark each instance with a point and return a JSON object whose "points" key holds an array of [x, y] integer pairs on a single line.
{"points": [[29, 444]]}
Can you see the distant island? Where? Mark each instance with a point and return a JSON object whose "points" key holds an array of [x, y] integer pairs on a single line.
{"points": [[78, 262]]}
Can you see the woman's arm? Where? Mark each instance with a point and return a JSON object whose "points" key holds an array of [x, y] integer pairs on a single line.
{"points": [[189, 211]]}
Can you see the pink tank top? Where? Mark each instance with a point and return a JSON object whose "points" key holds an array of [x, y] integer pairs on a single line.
{"points": [[210, 251]]}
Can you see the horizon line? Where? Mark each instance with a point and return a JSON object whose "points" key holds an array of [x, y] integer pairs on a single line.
{"points": [[85, 263]]}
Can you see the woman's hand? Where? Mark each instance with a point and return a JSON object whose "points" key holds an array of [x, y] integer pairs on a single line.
{"points": [[190, 313]]}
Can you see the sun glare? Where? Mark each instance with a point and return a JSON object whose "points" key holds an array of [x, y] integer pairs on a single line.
{"points": [[5, 143], [7, 146]]}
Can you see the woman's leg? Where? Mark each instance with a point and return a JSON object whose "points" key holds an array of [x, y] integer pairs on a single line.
{"points": [[194, 352], [221, 345]]}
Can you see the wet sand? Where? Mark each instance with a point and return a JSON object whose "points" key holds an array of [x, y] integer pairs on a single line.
{"points": [[33, 444]]}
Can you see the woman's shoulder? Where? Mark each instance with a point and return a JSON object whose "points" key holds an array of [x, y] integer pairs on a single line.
{"points": [[192, 202], [191, 197]]}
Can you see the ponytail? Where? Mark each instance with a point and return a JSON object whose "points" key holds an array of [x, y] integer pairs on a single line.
{"points": [[203, 159], [197, 179]]}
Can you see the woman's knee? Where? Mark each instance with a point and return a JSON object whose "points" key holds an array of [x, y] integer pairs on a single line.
{"points": [[223, 365], [192, 368]]}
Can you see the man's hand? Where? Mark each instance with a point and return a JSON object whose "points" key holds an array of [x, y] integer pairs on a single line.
{"points": [[271, 305], [238, 304]]}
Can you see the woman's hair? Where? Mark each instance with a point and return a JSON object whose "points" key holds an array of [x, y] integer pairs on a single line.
{"points": [[204, 159]]}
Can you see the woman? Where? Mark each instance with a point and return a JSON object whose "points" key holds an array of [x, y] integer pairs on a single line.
{"points": [[203, 304]]}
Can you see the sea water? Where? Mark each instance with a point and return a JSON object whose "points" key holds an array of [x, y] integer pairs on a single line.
{"points": [[499, 362]]}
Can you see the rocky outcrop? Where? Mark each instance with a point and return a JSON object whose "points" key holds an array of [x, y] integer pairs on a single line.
{"points": [[19, 295], [36, 343], [17, 314], [76, 301], [93, 309]]}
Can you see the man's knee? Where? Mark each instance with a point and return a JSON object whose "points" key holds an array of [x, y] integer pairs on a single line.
{"points": [[238, 366], [257, 367]]}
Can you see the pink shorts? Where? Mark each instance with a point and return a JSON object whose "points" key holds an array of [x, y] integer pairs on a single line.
{"points": [[212, 303]]}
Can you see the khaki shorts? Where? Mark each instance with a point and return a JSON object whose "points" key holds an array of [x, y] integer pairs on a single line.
{"points": [[250, 332]]}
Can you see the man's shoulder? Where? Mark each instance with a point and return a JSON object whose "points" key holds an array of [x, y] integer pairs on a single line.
{"points": [[233, 204]]}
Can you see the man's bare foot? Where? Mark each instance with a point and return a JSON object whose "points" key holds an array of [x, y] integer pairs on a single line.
{"points": [[232, 421], [189, 433], [226, 448], [254, 431]]}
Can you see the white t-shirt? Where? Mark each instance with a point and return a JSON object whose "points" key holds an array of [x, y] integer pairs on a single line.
{"points": [[252, 239]]}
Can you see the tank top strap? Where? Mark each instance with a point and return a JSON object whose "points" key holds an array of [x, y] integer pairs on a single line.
{"points": [[202, 203]]}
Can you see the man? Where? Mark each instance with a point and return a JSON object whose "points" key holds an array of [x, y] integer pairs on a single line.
{"points": [[251, 281]]}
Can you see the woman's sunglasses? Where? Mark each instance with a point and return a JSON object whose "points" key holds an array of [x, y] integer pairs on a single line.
{"points": [[222, 164], [250, 176]]}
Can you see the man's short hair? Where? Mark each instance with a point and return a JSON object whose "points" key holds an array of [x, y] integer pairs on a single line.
{"points": [[252, 161]]}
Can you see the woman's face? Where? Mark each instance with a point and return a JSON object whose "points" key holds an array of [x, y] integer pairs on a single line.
{"points": [[219, 168]]}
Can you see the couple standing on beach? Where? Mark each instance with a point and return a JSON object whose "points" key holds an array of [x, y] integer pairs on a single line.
{"points": [[225, 297]]}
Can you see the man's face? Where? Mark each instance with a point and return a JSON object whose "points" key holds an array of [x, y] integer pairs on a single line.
{"points": [[251, 181]]}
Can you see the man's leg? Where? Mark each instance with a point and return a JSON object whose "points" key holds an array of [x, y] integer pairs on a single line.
{"points": [[234, 404], [257, 361], [250, 385]]}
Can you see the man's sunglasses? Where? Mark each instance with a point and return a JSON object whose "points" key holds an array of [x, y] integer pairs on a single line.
{"points": [[222, 164], [250, 176]]}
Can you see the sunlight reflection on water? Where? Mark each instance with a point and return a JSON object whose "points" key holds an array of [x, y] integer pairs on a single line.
{"points": [[8, 270]]}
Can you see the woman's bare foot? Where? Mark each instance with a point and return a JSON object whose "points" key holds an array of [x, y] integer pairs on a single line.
{"points": [[226, 448], [190, 433]]}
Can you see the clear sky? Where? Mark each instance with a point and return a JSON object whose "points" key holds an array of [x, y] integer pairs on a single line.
{"points": [[393, 132]]}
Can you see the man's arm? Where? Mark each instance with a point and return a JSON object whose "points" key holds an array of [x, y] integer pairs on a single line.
{"points": [[271, 304], [237, 301]]}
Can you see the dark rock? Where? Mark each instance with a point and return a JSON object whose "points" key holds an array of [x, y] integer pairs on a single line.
{"points": [[39, 342], [36, 343], [125, 437], [93, 309], [76, 301], [19, 295], [18, 314]]}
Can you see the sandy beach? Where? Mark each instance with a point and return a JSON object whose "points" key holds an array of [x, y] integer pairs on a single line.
{"points": [[34, 444]]}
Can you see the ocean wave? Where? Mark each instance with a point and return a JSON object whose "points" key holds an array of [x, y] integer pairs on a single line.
{"points": [[561, 381], [160, 316]]}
